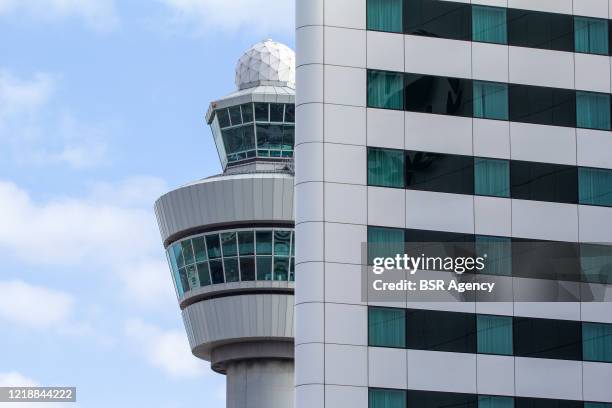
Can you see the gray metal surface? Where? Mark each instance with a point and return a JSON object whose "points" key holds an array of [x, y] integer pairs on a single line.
{"points": [[241, 318], [260, 384], [226, 200]]}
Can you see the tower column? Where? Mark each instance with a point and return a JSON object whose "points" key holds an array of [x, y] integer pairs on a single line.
{"points": [[260, 384]]}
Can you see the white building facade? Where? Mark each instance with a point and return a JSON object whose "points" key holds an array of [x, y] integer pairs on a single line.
{"points": [[482, 120]]}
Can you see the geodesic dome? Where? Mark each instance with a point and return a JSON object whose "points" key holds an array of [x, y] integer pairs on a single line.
{"points": [[266, 63]]}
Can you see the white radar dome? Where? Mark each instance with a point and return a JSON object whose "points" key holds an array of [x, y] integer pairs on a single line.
{"points": [[266, 63]]}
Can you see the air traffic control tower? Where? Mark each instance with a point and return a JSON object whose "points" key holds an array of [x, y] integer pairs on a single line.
{"points": [[229, 238]]}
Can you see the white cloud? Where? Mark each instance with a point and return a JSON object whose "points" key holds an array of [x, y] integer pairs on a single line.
{"points": [[112, 230], [36, 131], [261, 17], [167, 350], [15, 379], [34, 306], [101, 15]]}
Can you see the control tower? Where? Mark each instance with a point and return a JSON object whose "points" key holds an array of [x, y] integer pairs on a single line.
{"points": [[229, 238]]}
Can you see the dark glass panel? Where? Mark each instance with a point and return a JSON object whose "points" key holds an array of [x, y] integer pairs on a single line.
{"points": [[228, 242], [216, 271], [246, 243], [282, 242], [441, 95], [543, 106], [235, 116], [264, 267], [269, 136], [522, 402], [187, 251], [247, 268], [439, 172], [238, 139], [276, 112], [261, 112], [441, 331], [547, 338], [264, 242], [281, 268], [223, 118], [199, 248], [231, 269], [247, 112], [540, 30], [290, 113], [203, 274], [442, 19], [432, 399], [288, 137], [385, 398], [544, 182], [184, 281], [214, 247]]}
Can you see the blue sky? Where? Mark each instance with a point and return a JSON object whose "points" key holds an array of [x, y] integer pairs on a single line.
{"points": [[102, 107]]}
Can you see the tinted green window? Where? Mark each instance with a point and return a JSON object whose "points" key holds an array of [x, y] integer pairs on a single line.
{"points": [[183, 279], [385, 167], [238, 139], [489, 25], [595, 186], [199, 248], [596, 263], [487, 401], [499, 254], [386, 327], [231, 269], [261, 112], [223, 117], [187, 251], [247, 112], [385, 90], [384, 242], [269, 136], [492, 177], [597, 342], [228, 242], [282, 242], [246, 243], [214, 247], [591, 35], [235, 116], [203, 274], [177, 250], [490, 100], [289, 113], [264, 267], [216, 272], [192, 277], [593, 110], [276, 112], [378, 398], [264, 242], [597, 405], [247, 268], [281, 268], [494, 334], [385, 15]]}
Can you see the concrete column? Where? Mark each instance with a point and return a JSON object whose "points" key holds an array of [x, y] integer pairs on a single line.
{"points": [[260, 384]]}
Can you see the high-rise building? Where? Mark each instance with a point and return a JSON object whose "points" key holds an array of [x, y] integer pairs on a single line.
{"points": [[229, 238], [480, 121]]}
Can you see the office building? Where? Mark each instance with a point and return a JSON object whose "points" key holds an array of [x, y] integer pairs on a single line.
{"points": [[483, 121]]}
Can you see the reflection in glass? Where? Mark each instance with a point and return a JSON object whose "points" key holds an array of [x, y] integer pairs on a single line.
{"points": [[276, 112], [247, 268], [199, 247], [281, 268], [216, 272], [246, 243], [228, 243], [282, 242], [264, 267], [231, 270], [203, 274], [264, 242], [214, 247]]}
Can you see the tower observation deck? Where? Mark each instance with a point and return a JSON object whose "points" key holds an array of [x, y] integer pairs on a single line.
{"points": [[229, 238]]}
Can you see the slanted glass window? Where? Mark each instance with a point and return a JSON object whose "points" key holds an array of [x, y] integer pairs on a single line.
{"points": [[264, 242], [543, 106], [489, 25], [247, 112], [597, 342], [203, 274], [187, 251], [544, 182], [547, 338], [444, 173], [192, 277], [385, 15], [223, 117], [591, 35], [384, 242], [214, 247], [494, 334], [593, 110], [379, 398], [440, 95], [276, 112], [199, 248], [499, 254], [537, 29], [246, 243], [261, 112], [490, 100], [596, 263], [216, 271], [490, 401], [385, 90], [385, 167], [595, 186], [442, 19], [228, 242], [441, 331], [386, 327], [235, 115], [492, 177], [289, 113]]}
